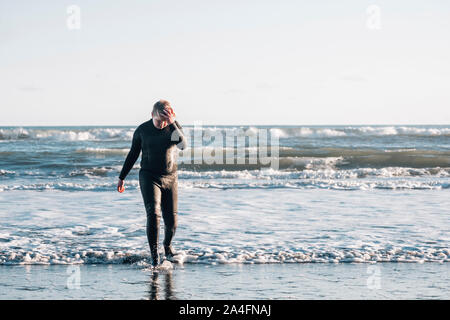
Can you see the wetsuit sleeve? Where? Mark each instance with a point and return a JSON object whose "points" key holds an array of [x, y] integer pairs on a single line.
{"points": [[178, 136], [132, 156]]}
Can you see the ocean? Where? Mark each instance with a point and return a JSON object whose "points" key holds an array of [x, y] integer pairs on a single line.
{"points": [[340, 201]]}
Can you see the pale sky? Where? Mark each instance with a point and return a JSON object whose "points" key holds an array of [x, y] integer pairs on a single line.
{"points": [[225, 62]]}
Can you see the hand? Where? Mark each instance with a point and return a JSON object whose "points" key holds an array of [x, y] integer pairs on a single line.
{"points": [[120, 186], [168, 115]]}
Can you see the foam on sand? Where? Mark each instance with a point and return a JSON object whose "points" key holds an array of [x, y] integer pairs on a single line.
{"points": [[212, 257]]}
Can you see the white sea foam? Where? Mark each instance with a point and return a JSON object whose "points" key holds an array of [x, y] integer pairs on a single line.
{"points": [[81, 134], [244, 183], [94, 172], [68, 186], [67, 134], [207, 256], [323, 170], [312, 162], [349, 131], [322, 176], [345, 131], [234, 226], [104, 150], [6, 172], [322, 184]]}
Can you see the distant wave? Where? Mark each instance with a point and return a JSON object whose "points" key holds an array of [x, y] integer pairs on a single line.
{"points": [[66, 134], [104, 150], [370, 160], [334, 157], [351, 131], [320, 158], [288, 158], [6, 172], [87, 134], [94, 172]]}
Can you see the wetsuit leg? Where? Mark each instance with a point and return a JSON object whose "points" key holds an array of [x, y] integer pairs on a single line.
{"points": [[169, 205], [151, 194]]}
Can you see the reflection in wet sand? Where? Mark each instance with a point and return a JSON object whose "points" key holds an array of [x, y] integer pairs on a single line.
{"points": [[155, 286]]}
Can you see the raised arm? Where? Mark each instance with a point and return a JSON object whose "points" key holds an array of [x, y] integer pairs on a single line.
{"points": [[132, 156]]}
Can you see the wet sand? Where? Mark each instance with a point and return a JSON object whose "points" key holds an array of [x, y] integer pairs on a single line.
{"points": [[257, 281]]}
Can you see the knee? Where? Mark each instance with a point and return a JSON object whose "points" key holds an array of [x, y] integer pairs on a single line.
{"points": [[153, 210]]}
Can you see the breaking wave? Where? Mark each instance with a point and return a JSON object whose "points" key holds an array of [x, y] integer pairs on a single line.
{"points": [[211, 257], [311, 180], [125, 133]]}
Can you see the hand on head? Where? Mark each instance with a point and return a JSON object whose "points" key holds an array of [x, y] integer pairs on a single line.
{"points": [[167, 115], [164, 117]]}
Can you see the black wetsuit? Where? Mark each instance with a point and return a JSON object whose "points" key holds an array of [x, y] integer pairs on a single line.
{"points": [[158, 178]]}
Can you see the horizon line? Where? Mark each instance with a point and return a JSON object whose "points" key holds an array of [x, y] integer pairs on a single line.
{"points": [[223, 125]]}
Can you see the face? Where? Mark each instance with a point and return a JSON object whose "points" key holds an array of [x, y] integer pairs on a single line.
{"points": [[159, 122], [156, 116]]}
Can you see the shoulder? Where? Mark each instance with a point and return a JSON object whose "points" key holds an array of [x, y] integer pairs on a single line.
{"points": [[144, 125], [140, 128]]}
